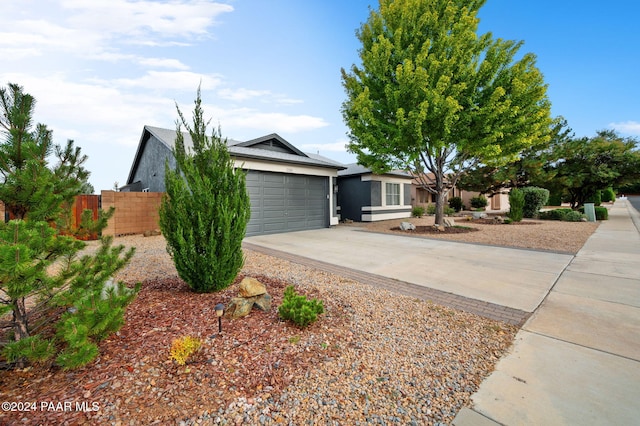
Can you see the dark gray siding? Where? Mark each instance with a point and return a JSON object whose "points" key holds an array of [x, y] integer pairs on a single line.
{"points": [[353, 194], [150, 170]]}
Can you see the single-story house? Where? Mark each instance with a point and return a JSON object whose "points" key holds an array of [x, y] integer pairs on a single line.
{"points": [[420, 196], [289, 189], [364, 196]]}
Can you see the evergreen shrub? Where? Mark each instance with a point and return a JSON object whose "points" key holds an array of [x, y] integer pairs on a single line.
{"points": [[608, 195], [516, 205], [479, 202], [534, 199], [298, 309], [417, 211], [455, 203]]}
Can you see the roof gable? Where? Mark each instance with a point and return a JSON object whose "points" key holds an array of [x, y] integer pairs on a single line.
{"points": [[273, 142]]}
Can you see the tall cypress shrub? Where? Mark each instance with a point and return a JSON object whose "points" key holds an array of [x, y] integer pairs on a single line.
{"points": [[516, 205], [205, 211], [534, 199]]}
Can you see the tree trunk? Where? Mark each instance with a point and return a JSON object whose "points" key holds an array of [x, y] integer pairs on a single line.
{"points": [[20, 325], [440, 197]]}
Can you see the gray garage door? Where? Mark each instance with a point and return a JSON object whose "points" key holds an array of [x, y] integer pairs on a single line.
{"points": [[282, 202]]}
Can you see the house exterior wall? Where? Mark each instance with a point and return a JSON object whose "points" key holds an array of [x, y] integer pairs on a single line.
{"points": [[150, 170], [496, 203], [363, 198], [353, 194]]}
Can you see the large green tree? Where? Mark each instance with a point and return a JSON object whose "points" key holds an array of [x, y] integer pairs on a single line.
{"points": [[528, 169], [57, 299], [586, 165], [206, 208], [433, 97]]}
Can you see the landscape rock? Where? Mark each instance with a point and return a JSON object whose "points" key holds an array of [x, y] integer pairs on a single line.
{"points": [[479, 215], [498, 220], [250, 287], [238, 307], [449, 222], [151, 233], [263, 302], [407, 226]]}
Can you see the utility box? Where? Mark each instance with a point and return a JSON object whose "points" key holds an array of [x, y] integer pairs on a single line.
{"points": [[590, 212]]}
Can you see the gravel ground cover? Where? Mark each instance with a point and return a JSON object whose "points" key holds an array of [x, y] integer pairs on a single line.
{"points": [[372, 358], [550, 235]]}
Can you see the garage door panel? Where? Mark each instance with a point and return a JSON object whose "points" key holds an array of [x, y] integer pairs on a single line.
{"points": [[281, 202]]}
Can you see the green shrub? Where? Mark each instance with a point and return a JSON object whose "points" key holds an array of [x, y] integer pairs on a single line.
{"points": [[417, 211], [455, 203], [608, 195], [573, 216], [556, 214], [534, 199], [298, 309], [506, 220], [595, 198], [431, 209], [478, 202], [516, 205], [601, 212]]}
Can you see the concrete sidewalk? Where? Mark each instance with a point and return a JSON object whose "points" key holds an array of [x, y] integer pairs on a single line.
{"points": [[576, 361]]}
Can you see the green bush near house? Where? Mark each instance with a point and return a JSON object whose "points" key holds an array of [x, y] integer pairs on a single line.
{"points": [[478, 202], [431, 209], [455, 203], [573, 216], [516, 205], [417, 211], [534, 199]]}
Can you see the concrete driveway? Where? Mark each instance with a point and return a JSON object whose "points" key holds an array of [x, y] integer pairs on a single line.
{"points": [[515, 278]]}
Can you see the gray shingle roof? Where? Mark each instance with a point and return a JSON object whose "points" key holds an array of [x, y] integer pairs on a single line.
{"points": [[355, 169], [240, 149]]}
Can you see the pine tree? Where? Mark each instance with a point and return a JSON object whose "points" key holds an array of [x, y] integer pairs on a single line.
{"points": [[32, 246], [205, 211]]}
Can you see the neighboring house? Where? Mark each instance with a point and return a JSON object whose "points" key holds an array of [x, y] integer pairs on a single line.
{"points": [[289, 190], [420, 196], [364, 196]]}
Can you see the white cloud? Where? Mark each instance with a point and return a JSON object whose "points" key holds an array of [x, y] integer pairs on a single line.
{"points": [[628, 127], [146, 19], [269, 122], [171, 80], [242, 94]]}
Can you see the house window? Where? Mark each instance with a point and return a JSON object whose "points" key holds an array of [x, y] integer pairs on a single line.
{"points": [[393, 194]]}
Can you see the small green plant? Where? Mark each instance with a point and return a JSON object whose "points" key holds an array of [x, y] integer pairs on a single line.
{"points": [[417, 211], [479, 202], [556, 214], [601, 212], [455, 203], [506, 221], [516, 205], [184, 348], [595, 198], [431, 209], [298, 309]]}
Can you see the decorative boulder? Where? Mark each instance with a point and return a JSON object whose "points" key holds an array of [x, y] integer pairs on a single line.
{"points": [[407, 226], [498, 220], [238, 307], [479, 215], [263, 302], [449, 222], [250, 287]]}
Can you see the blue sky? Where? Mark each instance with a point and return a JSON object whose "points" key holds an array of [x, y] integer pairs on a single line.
{"points": [[102, 69]]}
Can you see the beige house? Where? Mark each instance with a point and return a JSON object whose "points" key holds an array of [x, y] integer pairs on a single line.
{"points": [[420, 196]]}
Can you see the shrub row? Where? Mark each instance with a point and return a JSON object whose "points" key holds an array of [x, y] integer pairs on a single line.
{"points": [[601, 212], [566, 215]]}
